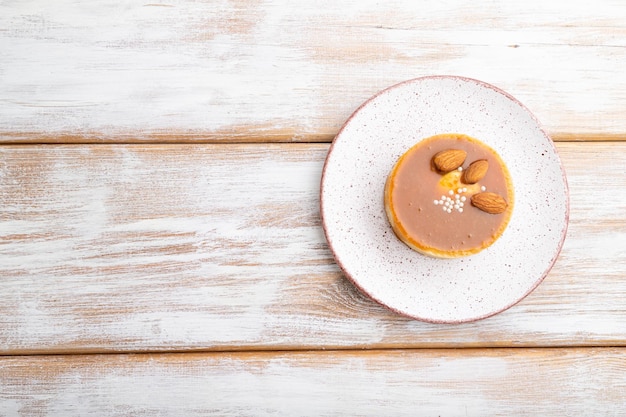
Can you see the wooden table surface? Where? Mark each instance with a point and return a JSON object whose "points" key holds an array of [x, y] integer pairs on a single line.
{"points": [[161, 249]]}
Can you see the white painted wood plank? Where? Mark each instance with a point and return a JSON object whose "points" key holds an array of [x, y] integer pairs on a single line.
{"points": [[491, 382], [78, 70], [176, 247]]}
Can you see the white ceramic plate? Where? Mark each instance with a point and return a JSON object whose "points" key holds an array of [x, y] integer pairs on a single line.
{"points": [[384, 268]]}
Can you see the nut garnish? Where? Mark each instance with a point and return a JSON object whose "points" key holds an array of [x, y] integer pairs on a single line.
{"points": [[475, 172], [449, 160], [491, 203]]}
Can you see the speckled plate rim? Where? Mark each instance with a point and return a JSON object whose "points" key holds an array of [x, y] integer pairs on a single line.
{"points": [[390, 305]]}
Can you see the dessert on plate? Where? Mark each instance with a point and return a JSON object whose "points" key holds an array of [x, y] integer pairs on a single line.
{"points": [[449, 196]]}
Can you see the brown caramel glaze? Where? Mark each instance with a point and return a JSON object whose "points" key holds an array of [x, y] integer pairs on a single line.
{"points": [[413, 185]]}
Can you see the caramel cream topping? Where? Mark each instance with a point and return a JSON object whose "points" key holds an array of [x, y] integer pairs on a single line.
{"points": [[434, 210]]}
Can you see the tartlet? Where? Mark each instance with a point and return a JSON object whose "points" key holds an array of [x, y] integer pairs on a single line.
{"points": [[449, 196]]}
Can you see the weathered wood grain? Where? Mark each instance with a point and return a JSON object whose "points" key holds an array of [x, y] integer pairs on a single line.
{"points": [[178, 71], [485, 382], [193, 247]]}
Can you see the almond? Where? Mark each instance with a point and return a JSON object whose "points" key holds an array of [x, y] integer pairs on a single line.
{"points": [[491, 203], [449, 160], [475, 172]]}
